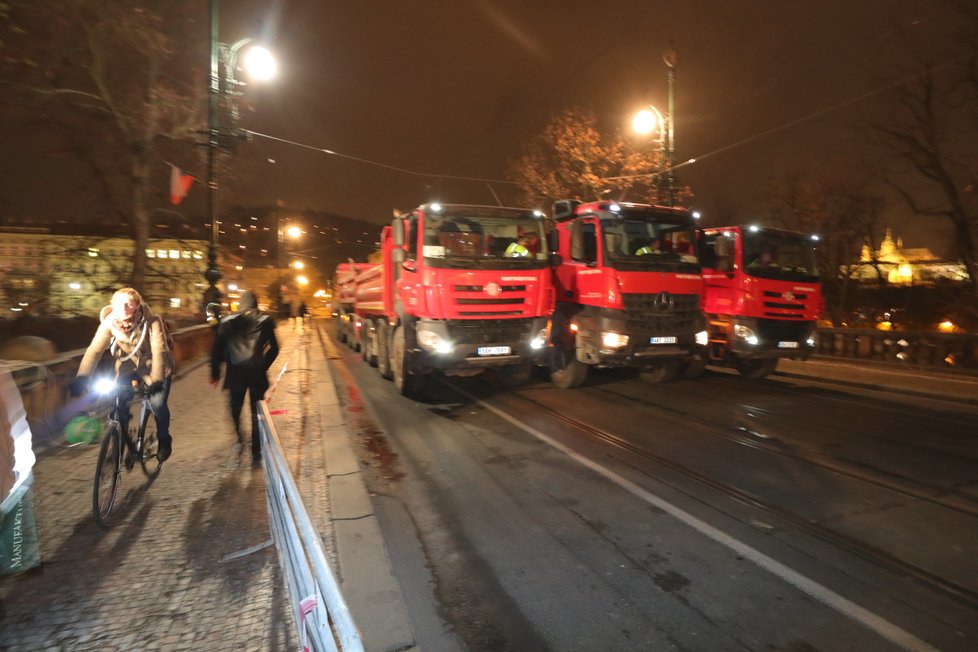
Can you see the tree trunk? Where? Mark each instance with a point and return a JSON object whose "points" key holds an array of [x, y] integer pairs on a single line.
{"points": [[140, 218]]}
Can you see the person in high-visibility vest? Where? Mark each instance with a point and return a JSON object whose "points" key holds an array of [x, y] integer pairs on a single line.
{"points": [[651, 248], [518, 249]]}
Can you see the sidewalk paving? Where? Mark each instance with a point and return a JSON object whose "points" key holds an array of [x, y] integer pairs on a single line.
{"points": [[165, 575]]}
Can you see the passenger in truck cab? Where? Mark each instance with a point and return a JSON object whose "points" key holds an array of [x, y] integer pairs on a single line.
{"points": [[518, 249], [766, 259], [653, 247]]}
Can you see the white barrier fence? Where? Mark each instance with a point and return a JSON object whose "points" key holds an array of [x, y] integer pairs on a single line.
{"points": [[322, 618]]}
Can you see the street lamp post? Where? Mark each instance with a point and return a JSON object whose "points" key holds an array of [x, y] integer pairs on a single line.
{"points": [[651, 119], [260, 65]]}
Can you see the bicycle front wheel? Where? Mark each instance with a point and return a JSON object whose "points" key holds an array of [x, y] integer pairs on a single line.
{"points": [[107, 472], [149, 446]]}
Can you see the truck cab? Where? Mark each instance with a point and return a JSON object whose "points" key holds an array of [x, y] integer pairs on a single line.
{"points": [[763, 296], [628, 289], [464, 288]]}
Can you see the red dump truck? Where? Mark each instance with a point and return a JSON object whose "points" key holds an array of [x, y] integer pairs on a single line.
{"points": [[629, 291], [458, 289], [763, 296], [344, 300]]}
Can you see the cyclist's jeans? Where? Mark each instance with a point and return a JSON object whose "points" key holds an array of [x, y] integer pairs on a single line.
{"points": [[160, 410]]}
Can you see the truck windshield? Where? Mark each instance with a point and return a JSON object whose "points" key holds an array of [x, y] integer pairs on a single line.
{"points": [[505, 241], [643, 243], [779, 255]]}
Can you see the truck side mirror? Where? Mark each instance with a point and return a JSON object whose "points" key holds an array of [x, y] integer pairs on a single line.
{"points": [[577, 241], [564, 208], [397, 226], [722, 246], [553, 241]]}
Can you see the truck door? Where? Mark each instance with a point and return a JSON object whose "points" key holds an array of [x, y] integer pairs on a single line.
{"points": [[719, 260]]}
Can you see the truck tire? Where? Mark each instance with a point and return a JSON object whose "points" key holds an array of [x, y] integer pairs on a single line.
{"points": [[365, 340], [663, 373], [383, 349], [370, 343], [757, 368], [566, 371], [407, 384]]}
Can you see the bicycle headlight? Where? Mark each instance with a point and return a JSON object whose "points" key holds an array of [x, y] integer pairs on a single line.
{"points": [[104, 386]]}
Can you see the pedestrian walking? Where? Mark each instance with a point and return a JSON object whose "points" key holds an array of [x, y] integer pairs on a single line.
{"points": [[247, 345], [302, 312]]}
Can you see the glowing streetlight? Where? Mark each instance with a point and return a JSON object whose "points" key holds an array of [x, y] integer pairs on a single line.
{"points": [[651, 119], [293, 232], [260, 64], [301, 280], [298, 264]]}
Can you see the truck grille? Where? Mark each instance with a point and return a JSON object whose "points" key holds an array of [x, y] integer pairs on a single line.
{"points": [[661, 312], [508, 302], [478, 331], [775, 304]]}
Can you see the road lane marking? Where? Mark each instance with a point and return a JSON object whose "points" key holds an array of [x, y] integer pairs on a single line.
{"points": [[826, 596]]}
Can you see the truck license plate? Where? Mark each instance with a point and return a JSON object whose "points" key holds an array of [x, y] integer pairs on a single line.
{"points": [[787, 345], [493, 350], [663, 340]]}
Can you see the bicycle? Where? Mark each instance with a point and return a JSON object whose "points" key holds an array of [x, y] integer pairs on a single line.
{"points": [[133, 444]]}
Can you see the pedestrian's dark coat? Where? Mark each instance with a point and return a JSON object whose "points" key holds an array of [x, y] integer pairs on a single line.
{"points": [[239, 377]]}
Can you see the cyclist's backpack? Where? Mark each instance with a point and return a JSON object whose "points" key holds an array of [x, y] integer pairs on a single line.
{"points": [[243, 348]]}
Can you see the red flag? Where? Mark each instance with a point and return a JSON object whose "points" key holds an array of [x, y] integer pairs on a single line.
{"points": [[179, 185]]}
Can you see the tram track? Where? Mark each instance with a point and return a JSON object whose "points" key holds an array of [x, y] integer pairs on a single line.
{"points": [[947, 587], [744, 436]]}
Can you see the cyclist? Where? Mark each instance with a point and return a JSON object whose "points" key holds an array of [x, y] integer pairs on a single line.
{"points": [[137, 339]]}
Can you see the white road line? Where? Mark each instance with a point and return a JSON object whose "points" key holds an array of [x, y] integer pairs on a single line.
{"points": [[826, 596]]}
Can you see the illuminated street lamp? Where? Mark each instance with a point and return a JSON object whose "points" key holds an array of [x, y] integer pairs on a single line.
{"points": [[651, 120], [260, 65]]}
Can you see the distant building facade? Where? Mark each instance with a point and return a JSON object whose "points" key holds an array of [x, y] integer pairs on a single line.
{"points": [[67, 275], [899, 265]]}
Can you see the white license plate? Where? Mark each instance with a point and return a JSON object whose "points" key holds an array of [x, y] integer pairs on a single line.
{"points": [[787, 345], [493, 350], [662, 340]]}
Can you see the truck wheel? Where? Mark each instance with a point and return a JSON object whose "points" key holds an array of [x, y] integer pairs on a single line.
{"points": [[406, 384], [566, 371], [383, 349], [365, 340], [757, 368], [515, 375], [370, 347], [662, 373]]}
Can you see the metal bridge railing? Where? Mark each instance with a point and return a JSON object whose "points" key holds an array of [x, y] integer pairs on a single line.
{"points": [[321, 616], [921, 350]]}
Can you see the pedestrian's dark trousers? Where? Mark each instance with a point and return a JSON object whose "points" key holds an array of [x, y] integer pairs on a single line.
{"points": [[237, 404]]}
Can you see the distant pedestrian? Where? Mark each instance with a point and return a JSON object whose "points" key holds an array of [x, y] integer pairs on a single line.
{"points": [[246, 343], [301, 312]]}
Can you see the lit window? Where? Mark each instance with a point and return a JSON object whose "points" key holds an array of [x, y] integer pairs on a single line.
{"points": [[198, 255], [151, 253], [185, 253], [174, 302], [161, 253], [93, 252]]}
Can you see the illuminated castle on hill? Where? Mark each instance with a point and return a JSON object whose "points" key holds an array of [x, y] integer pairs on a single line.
{"points": [[901, 266]]}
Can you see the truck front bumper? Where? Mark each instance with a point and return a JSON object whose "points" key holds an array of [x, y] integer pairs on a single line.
{"points": [[480, 344]]}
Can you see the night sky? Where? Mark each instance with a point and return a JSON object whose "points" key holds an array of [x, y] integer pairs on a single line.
{"points": [[454, 87]]}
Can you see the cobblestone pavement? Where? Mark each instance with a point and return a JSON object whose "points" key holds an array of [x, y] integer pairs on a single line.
{"points": [[165, 575]]}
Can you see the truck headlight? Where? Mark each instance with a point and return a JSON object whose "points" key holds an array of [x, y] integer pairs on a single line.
{"points": [[613, 340], [702, 338], [810, 340], [747, 334], [432, 341], [539, 340]]}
